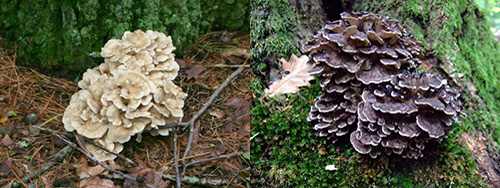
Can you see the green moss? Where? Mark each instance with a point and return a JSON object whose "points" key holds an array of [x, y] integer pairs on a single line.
{"points": [[273, 25], [59, 36], [287, 154], [226, 14]]}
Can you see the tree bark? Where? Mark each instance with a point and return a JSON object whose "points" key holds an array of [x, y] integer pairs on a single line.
{"points": [[311, 17]]}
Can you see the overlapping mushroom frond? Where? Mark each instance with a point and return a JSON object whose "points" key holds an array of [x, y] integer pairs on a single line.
{"points": [[130, 92], [375, 90]]}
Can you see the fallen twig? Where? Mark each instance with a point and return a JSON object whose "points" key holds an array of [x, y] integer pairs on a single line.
{"points": [[92, 142], [112, 153], [199, 181], [178, 178], [228, 66], [105, 166], [89, 156], [59, 156], [226, 156], [49, 120], [205, 106]]}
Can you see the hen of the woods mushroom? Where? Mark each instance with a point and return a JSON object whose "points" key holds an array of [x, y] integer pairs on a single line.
{"points": [[131, 92], [379, 88]]}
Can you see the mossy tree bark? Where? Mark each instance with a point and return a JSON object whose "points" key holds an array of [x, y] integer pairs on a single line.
{"points": [[63, 36], [284, 148]]}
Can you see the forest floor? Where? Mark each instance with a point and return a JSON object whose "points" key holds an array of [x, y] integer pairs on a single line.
{"points": [[34, 157]]}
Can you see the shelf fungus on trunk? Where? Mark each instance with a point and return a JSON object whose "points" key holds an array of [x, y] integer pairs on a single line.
{"points": [[378, 89], [131, 92]]}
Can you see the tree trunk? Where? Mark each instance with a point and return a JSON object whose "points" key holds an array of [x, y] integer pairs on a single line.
{"points": [[455, 31], [61, 36]]}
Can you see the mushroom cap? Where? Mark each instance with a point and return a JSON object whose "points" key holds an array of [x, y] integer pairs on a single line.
{"points": [[434, 103], [396, 107], [137, 40], [357, 145], [114, 49], [376, 75], [77, 111], [431, 125], [409, 130]]}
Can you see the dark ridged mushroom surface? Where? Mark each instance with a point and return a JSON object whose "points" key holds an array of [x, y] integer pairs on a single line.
{"points": [[373, 88]]}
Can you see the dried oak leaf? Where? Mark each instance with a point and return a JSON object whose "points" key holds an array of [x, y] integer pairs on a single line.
{"points": [[85, 171], [240, 106], [5, 167], [3, 118], [7, 141], [300, 72], [150, 177], [195, 71]]}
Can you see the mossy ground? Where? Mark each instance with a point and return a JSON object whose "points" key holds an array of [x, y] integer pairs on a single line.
{"points": [[285, 151]]}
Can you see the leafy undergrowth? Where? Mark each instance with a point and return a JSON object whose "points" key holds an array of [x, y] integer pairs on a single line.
{"points": [[286, 153], [223, 130]]}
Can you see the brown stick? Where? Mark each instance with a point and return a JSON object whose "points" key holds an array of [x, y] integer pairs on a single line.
{"points": [[92, 142], [226, 156], [88, 155], [50, 119], [105, 166], [205, 107], [199, 180], [228, 66], [112, 153], [178, 178], [59, 156]]}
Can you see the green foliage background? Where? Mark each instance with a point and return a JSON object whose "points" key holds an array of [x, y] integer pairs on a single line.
{"points": [[62, 36], [285, 151], [492, 9]]}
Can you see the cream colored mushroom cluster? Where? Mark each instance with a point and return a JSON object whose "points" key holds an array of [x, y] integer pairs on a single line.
{"points": [[131, 92]]}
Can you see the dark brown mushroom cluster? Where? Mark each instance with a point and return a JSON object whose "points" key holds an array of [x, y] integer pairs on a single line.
{"points": [[377, 87]]}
